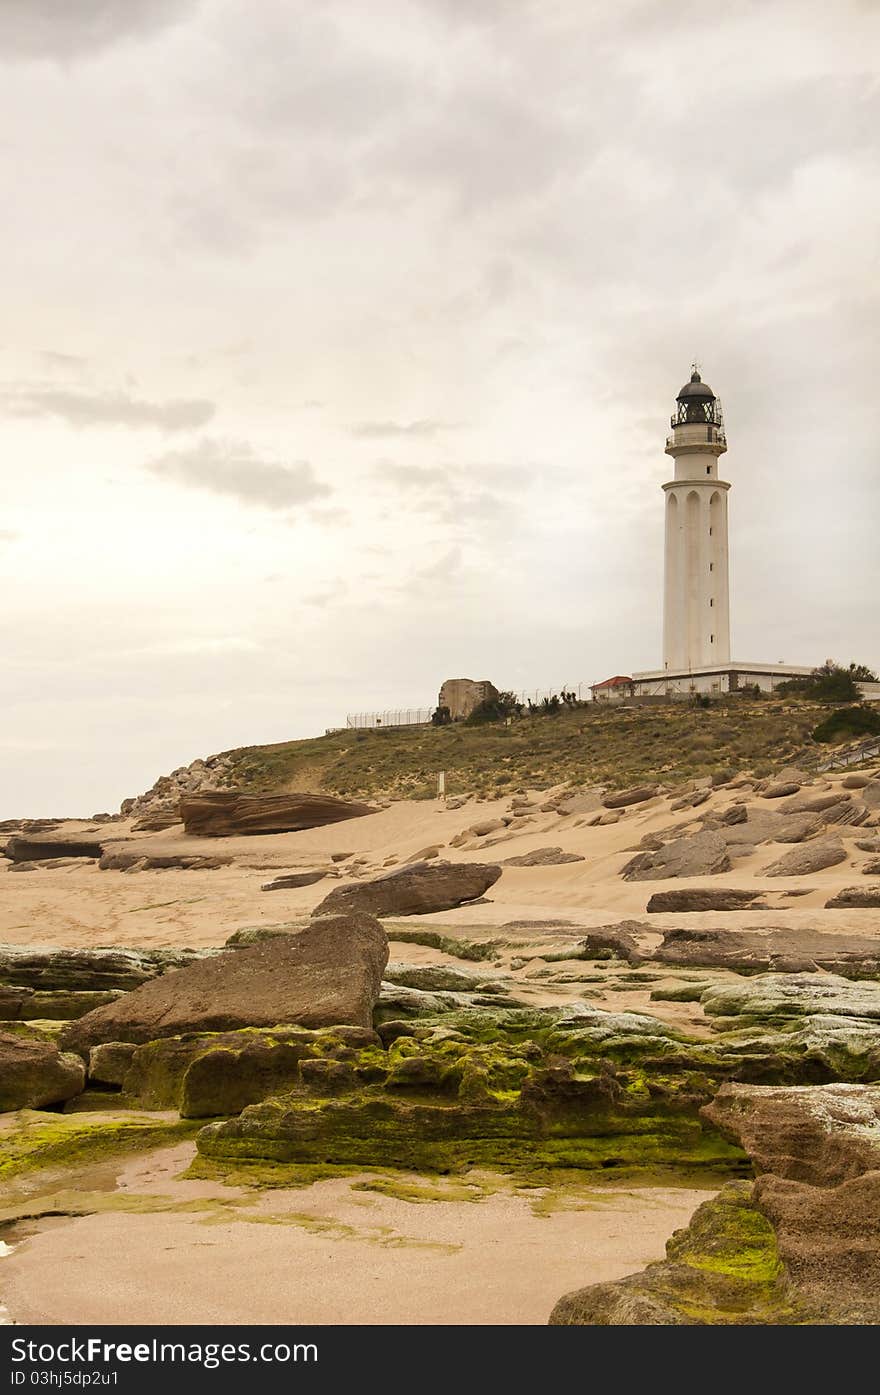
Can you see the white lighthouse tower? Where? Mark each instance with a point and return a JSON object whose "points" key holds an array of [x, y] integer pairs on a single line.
{"points": [[696, 609]]}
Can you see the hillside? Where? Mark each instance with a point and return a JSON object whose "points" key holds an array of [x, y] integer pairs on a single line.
{"points": [[586, 746]]}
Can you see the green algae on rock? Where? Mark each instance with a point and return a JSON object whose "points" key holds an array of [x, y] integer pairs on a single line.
{"points": [[723, 1269], [31, 1139]]}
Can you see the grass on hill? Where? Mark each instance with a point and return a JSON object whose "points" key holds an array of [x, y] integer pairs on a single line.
{"points": [[590, 745]]}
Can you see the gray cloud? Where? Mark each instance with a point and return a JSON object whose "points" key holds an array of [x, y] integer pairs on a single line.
{"points": [[57, 362], [231, 468], [376, 430], [75, 28], [84, 409]]}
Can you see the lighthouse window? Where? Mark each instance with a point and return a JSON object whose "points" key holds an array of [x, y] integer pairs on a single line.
{"points": [[711, 639], [711, 564], [710, 532], [708, 469], [711, 602]]}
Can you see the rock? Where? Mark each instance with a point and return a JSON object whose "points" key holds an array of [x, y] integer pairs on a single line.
{"points": [[700, 854], [442, 978], [855, 896], [807, 858], [820, 1134], [818, 1150], [34, 1074], [219, 1073], [89, 970], [623, 798], [425, 854], [721, 1270], [855, 781], [771, 951], [64, 1006], [698, 898], [109, 1063], [133, 861], [780, 790], [766, 826], [872, 868], [690, 801], [543, 857], [580, 801], [292, 880], [31, 849], [613, 941], [737, 813], [13, 1002], [157, 822], [326, 974], [870, 794], [814, 803], [417, 889], [871, 845], [770, 997], [220, 813]]}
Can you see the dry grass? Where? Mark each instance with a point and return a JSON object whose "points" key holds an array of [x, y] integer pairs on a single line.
{"points": [[586, 746]]}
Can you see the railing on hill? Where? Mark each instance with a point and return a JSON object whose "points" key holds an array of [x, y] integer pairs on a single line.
{"points": [[866, 750]]}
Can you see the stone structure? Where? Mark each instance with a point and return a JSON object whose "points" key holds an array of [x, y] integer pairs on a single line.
{"points": [[462, 695]]}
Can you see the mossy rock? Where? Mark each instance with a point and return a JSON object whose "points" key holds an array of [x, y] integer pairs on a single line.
{"points": [[32, 1139], [723, 1269]]}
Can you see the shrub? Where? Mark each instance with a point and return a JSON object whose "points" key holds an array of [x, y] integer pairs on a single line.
{"points": [[830, 682], [496, 709], [847, 724]]}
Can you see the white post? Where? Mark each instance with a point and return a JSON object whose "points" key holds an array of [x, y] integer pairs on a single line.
{"points": [[441, 785]]}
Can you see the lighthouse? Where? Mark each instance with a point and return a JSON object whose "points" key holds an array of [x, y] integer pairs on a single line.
{"points": [[696, 604]]}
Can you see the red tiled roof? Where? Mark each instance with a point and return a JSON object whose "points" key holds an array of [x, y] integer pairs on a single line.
{"points": [[611, 682]]}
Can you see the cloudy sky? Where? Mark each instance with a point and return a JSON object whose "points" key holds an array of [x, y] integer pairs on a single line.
{"points": [[339, 342]]}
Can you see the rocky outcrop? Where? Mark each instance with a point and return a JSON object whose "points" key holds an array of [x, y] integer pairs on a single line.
{"points": [[416, 889], [34, 849], [818, 1150], [461, 696], [700, 898], [24, 1004], [771, 950], [820, 1134], [722, 1270], [163, 800], [134, 861], [211, 1074], [855, 896], [292, 881], [780, 789], [326, 974], [221, 814], [808, 858], [623, 798], [776, 997], [35, 1074], [699, 855], [543, 857], [443, 978], [88, 970]]}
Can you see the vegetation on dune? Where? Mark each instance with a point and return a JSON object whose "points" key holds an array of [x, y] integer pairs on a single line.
{"points": [[591, 744], [848, 724]]}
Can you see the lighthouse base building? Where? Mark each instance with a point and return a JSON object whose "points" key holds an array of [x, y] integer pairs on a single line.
{"points": [[696, 588]]}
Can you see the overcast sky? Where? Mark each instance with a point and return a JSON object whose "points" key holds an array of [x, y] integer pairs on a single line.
{"points": [[340, 340]]}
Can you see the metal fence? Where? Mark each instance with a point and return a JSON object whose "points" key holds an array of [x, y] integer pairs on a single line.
{"points": [[399, 717]]}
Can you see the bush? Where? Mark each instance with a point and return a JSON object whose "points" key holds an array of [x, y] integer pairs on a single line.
{"points": [[847, 724], [496, 709], [830, 683], [441, 717]]}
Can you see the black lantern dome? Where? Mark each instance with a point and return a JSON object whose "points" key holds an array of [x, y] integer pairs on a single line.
{"points": [[696, 404]]}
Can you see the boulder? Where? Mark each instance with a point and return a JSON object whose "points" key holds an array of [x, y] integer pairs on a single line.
{"points": [[698, 855], [814, 803], [325, 974], [157, 821], [871, 794], [821, 1134], [780, 789], [543, 857], [292, 880], [807, 858], [700, 898], [855, 781], [871, 845], [33, 849], [623, 798], [855, 896], [221, 813], [771, 950], [35, 1074], [442, 978], [109, 1062], [89, 970], [722, 1269], [416, 889], [766, 826]]}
